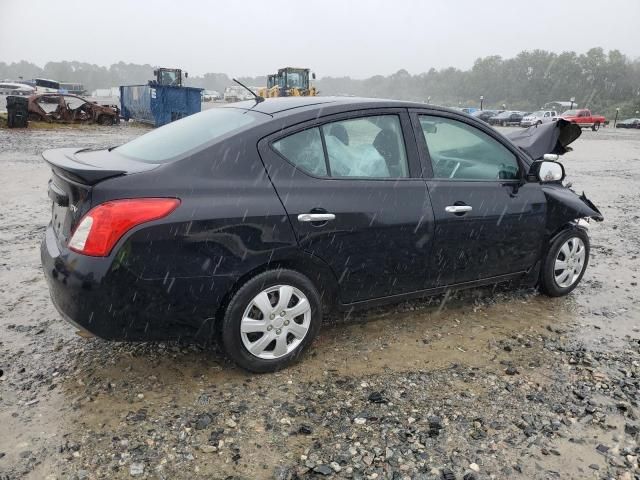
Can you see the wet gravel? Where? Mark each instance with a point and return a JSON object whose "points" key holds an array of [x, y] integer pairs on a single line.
{"points": [[490, 383]]}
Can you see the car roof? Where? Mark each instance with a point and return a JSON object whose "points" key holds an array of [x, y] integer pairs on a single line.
{"points": [[290, 105]]}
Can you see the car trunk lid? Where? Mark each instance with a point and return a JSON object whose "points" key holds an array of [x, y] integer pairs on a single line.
{"points": [[75, 173]]}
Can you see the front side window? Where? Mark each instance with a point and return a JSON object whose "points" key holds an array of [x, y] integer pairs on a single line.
{"points": [[461, 152], [365, 147], [49, 103]]}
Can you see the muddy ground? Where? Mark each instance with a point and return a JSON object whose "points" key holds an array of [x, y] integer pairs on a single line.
{"points": [[490, 383]]}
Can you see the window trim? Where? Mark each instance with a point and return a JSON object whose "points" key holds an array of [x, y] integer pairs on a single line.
{"points": [[425, 157], [406, 130]]}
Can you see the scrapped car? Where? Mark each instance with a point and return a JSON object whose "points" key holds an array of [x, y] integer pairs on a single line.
{"points": [[244, 224], [629, 123], [505, 119], [538, 118], [54, 107]]}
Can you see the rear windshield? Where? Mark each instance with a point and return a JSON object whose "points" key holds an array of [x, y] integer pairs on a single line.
{"points": [[186, 135]]}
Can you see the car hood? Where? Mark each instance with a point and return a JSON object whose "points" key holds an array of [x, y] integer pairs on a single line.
{"points": [[552, 137]]}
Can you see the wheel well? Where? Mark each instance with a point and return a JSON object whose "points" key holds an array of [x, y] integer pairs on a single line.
{"points": [[572, 225], [317, 271]]}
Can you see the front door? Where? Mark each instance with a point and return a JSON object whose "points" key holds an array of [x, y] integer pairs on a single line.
{"points": [[488, 222], [354, 196]]}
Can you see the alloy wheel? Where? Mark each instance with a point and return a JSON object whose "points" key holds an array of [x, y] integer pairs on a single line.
{"points": [[569, 262], [275, 322]]}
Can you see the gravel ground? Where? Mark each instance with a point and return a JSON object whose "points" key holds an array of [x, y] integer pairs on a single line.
{"points": [[488, 383]]}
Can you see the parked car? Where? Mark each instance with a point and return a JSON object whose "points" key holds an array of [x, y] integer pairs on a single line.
{"points": [[538, 118], [629, 123], [54, 107], [484, 115], [11, 88], [469, 110], [211, 96], [506, 118], [584, 118], [245, 223]]}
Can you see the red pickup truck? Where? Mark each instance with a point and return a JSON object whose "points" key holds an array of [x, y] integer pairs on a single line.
{"points": [[584, 118]]}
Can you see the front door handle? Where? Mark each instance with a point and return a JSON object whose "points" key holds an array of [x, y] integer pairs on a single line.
{"points": [[458, 208], [316, 217]]}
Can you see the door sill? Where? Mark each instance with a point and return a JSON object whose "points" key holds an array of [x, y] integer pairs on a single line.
{"points": [[431, 291]]}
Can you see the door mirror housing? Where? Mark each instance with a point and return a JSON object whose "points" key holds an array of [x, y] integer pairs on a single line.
{"points": [[546, 171]]}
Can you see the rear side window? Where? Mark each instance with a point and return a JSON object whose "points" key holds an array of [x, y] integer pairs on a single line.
{"points": [[304, 150], [186, 135], [365, 147]]}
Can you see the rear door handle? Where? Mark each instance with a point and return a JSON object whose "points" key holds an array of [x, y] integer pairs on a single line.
{"points": [[458, 208], [316, 217]]}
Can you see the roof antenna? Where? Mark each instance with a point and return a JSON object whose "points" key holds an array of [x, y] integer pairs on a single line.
{"points": [[257, 97]]}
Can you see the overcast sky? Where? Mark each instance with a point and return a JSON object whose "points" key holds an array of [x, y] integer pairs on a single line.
{"points": [[358, 38]]}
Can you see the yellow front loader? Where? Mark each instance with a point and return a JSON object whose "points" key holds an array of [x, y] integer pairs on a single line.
{"points": [[289, 82]]}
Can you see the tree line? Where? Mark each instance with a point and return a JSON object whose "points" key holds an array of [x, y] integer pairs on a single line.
{"points": [[602, 81]]}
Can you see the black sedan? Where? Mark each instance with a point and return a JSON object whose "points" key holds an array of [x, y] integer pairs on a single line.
{"points": [[629, 123], [243, 224], [484, 115], [505, 119]]}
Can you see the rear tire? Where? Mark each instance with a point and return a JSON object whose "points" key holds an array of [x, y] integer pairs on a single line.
{"points": [[253, 320], [565, 262]]}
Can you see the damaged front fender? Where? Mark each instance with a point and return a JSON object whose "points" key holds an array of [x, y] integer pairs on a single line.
{"points": [[564, 205]]}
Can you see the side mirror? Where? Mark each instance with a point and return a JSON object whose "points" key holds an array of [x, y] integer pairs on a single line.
{"points": [[546, 171], [313, 75]]}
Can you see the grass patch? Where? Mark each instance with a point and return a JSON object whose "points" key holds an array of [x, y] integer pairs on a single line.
{"points": [[63, 126]]}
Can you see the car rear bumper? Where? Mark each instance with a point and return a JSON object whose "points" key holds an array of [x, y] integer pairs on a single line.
{"points": [[99, 298]]}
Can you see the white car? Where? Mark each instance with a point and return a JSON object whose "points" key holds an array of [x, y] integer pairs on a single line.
{"points": [[10, 88], [539, 117]]}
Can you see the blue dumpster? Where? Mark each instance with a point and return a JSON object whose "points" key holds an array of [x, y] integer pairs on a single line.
{"points": [[158, 104]]}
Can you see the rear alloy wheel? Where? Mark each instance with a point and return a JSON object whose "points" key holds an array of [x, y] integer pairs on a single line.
{"points": [[271, 320], [565, 263]]}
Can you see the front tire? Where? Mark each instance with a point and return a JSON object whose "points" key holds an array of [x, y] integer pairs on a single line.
{"points": [[565, 262], [596, 126], [105, 120], [271, 320]]}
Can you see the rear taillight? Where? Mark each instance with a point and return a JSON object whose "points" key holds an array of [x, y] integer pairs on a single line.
{"points": [[105, 224]]}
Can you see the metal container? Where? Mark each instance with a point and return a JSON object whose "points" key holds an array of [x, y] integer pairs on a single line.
{"points": [[158, 104]]}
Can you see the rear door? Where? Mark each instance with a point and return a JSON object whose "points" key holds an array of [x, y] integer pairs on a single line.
{"points": [[488, 222], [352, 188]]}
